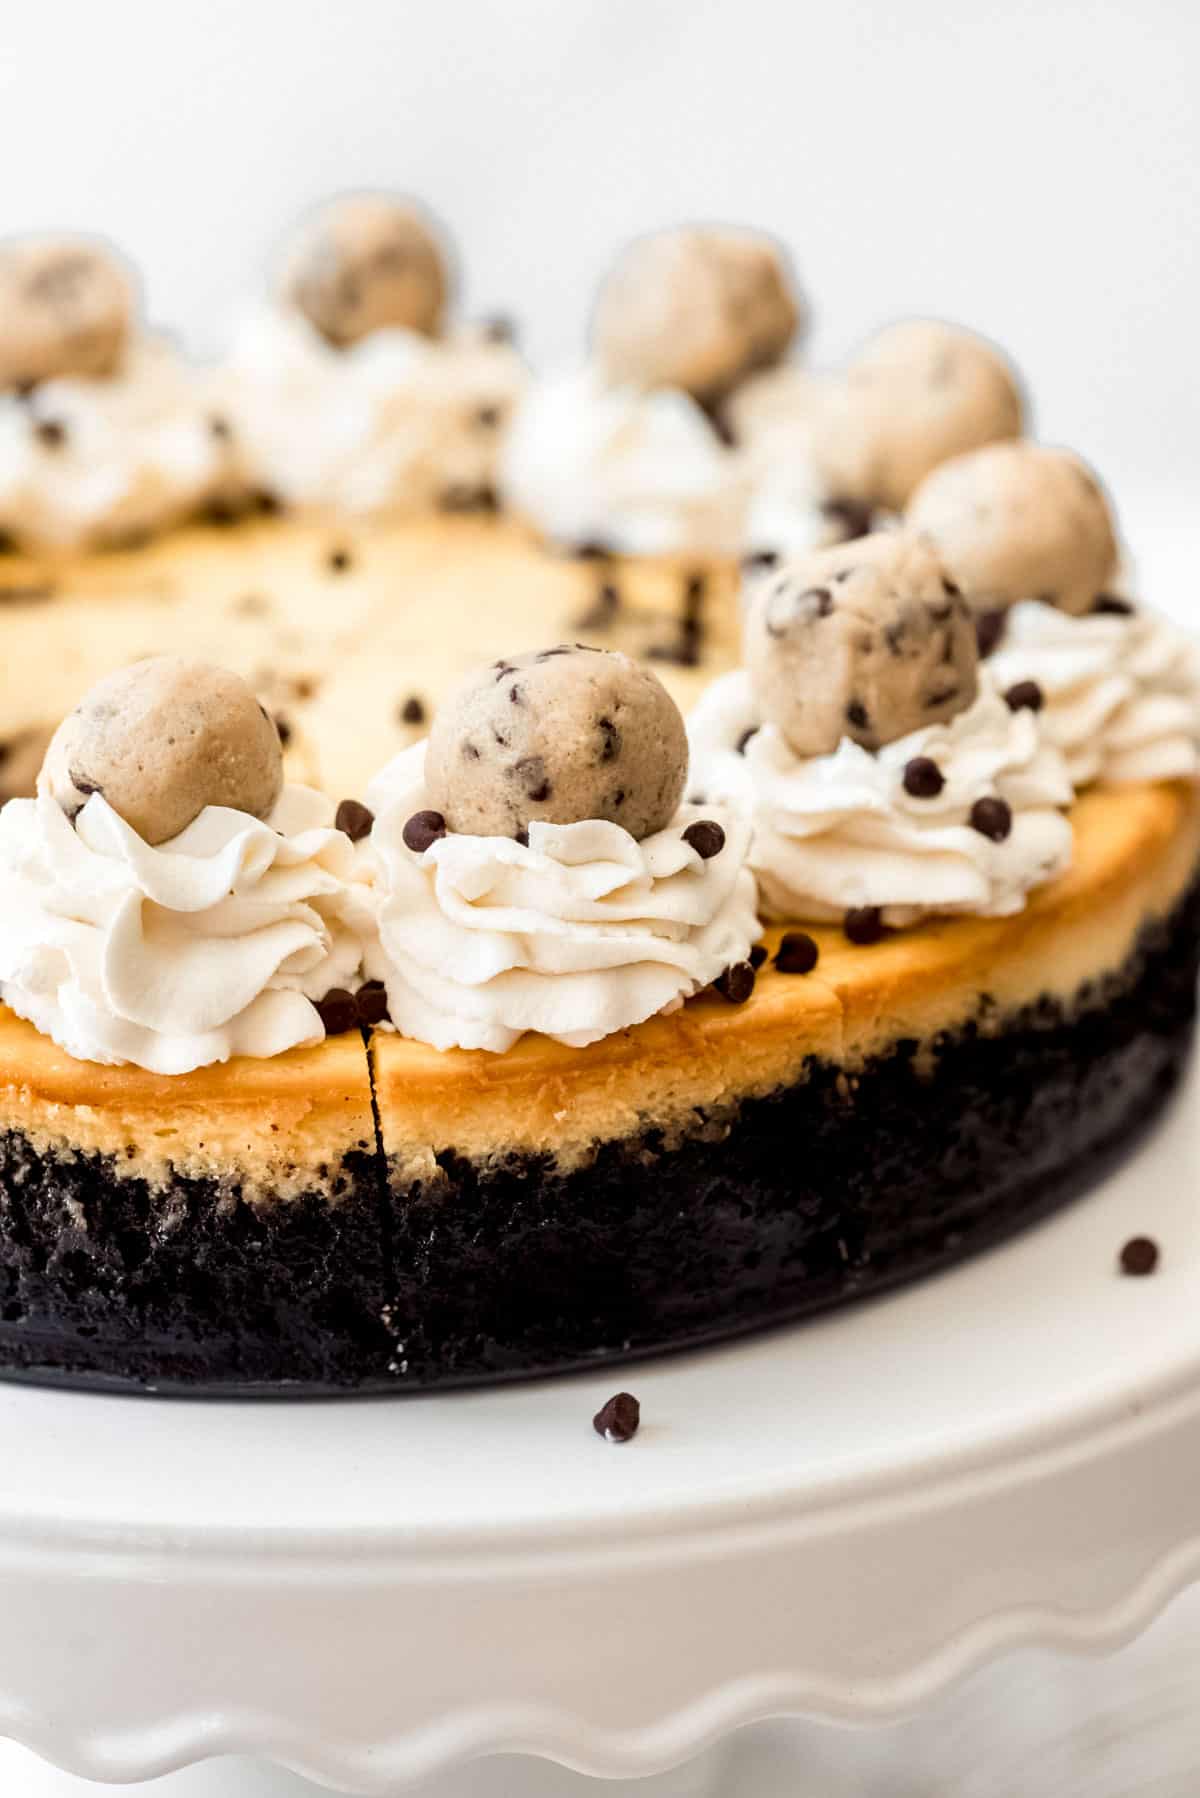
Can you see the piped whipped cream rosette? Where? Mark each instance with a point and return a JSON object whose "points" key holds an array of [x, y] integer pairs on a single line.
{"points": [[1119, 692], [625, 451], [961, 817], [106, 433], [127, 939], [495, 918], [641, 472], [350, 389], [1028, 533], [394, 421], [882, 774]]}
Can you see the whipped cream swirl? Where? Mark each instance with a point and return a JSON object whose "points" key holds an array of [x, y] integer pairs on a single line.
{"points": [[583, 932], [105, 461], [642, 472], [394, 422], [213, 944], [1121, 692], [836, 832]]}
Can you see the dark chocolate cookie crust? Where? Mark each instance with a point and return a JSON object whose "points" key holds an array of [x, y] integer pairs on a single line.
{"points": [[828, 1190]]}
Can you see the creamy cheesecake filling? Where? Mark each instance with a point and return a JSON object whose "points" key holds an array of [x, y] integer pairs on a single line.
{"points": [[1136, 854]]}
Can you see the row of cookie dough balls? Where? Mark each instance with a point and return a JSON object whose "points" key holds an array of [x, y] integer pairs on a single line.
{"points": [[872, 640], [698, 308]]}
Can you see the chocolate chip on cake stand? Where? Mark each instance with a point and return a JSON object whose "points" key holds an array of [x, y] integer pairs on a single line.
{"points": [[619, 1418], [557, 736], [163, 739]]}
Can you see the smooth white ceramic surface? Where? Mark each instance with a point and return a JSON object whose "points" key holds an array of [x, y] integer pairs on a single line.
{"points": [[835, 1519]]}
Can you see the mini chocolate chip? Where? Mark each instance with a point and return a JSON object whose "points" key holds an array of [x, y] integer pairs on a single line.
{"points": [[618, 797], [603, 609], [531, 772], [757, 956], [339, 559], [618, 1420], [759, 559], [413, 710], [822, 600], [1025, 696], [423, 829], [863, 924], [797, 953], [856, 714], [50, 431], [923, 779], [471, 752], [338, 1011], [706, 837], [372, 1002], [989, 628], [1139, 1256], [284, 729], [220, 427], [268, 503], [354, 819], [610, 746], [992, 818], [737, 982], [1110, 603], [745, 737], [516, 694], [949, 587], [521, 836], [854, 519], [488, 418]]}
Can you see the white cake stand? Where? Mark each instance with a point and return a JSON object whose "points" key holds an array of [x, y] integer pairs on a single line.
{"points": [[837, 1519]]}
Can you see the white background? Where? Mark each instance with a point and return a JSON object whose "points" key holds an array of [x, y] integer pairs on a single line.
{"points": [[1031, 168]]}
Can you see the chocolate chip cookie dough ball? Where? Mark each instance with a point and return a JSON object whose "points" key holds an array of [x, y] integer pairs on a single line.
{"points": [[162, 739], [915, 394], [66, 308], [1020, 521], [697, 308], [364, 263], [869, 640], [558, 736]]}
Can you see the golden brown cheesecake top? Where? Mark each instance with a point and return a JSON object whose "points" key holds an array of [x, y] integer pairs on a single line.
{"points": [[350, 631]]}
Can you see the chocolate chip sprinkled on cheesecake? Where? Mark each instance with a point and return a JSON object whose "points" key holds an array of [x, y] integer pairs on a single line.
{"points": [[1139, 1256], [737, 982], [1024, 696], [863, 924], [618, 1420], [413, 710], [989, 629], [422, 830], [371, 999], [338, 1011], [992, 818], [354, 819], [797, 953], [706, 837], [923, 779]]}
